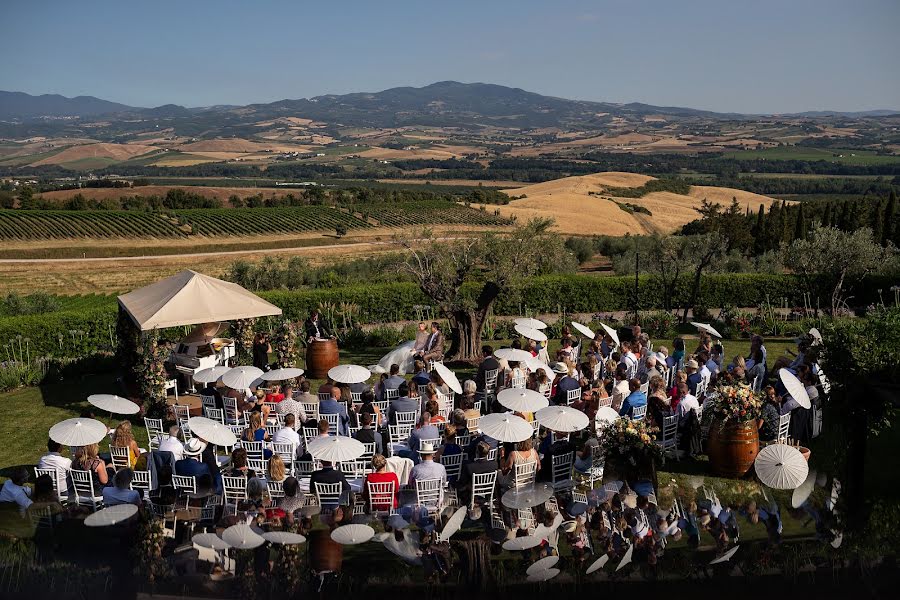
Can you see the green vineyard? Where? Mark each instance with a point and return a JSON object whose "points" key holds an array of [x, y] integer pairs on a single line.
{"points": [[65, 224]]}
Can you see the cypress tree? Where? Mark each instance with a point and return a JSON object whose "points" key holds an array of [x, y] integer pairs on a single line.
{"points": [[800, 225], [759, 231], [773, 232], [877, 221], [826, 216], [889, 231], [844, 223]]}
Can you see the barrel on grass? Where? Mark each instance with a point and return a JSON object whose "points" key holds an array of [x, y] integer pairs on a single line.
{"points": [[321, 355], [732, 448]]}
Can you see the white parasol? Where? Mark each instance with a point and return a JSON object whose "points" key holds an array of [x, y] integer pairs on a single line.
{"points": [[794, 387], [541, 565], [407, 549], [349, 374], [535, 364], [211, 374], [531, 322], [781, 467], [522, 543], [282, 374], [111, 516], [449, 377], [527, 497], [114, 404], [612, 333], [522, 400], [241, 378], [211, 541], [453, 524], [597, 564], [707, 328], [284, 538], [350, 535], [627, 558], [804, 490], [512, 354], [335, 448], [606, 415], [240, 536], [531, 333], [725, 557], [78, 432], [505, 427], [562, 418], [544, 575], [816, 335], [212, 431], [583, 330]]}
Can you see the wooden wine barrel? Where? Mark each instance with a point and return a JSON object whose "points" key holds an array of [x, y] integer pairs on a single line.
{"points": [[732, 449], [324, 553], [321, 355]]}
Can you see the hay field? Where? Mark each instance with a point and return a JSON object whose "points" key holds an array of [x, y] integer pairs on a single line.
{"points": [[115, 152], [234, 145], [391, 154]]}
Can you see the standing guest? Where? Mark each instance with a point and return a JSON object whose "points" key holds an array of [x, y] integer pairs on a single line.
{"points": [[756, 342], [629, 359], [120, 492], [315, 329], [261, 349], [367, 435], [59, 463], [382, 475], [172, 443], [427, 468], [290, 406], [434, 346], [14, 490], [333, 406], [393, 381], [488, 363], [422, 335], [714, 364]]}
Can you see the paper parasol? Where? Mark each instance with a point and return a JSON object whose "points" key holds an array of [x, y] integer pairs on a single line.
{"points": [[531, 322], [505, 427], [453, 523], [781, 467], [449, 377], [794, 388], [541, 565], [725, 557], [335, 448], [606, 415], [543, 575], [350, 535], [349, 374], [562, 418], [241, 378], [212, 431], [78, 432], [281, 374], [211, 541], [522, 400], [597, 564], [583, 330], [627, 558], [707, 328], [283, 537], [112, 515], [531, 333], [211, 374], [513, 354], [240, 536], [114, 404], [612, 333], [804, 490], [527, 497], [522, 543]]}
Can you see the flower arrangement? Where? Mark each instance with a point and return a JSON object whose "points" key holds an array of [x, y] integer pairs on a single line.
{"points": [[243, 338], [628, 441], [285, 345], [733, 404], [150, 372]]}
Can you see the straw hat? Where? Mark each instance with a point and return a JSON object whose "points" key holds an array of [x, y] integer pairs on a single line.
{"points": [[427, 448], [693, 364], [193, 447], [560, 368]]}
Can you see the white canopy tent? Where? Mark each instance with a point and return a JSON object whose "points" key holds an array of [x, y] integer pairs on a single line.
{"points": [[188, 298]]}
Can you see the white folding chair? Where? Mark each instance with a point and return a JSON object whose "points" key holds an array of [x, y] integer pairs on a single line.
{"points": [[323, 396], [58, 477], [784, 428], [275, 489], [430, 494], [234, 491], [271, 430], [368, 451], [309, 433], [524, 474], [305, 468], [154, 432], [608, 401], [562, 471], [492, 454], [121, 457], [668, 439], [287, 452], [406, 417], [453, 465], [260, 466], [141, 482], [329, 494], [231, 413], [483, 487], [518, 382], [573, 396], [85, 494], [473, 425], [391, 394], [381, 497], [645, 388], [546, 389], [207, 402], [399, 434], [356, 397], [183, 413], [216, 414], [254, 449], [334, 420], [464, 440], [185, 484], [490, 386], [311, 409], [638, 413]]}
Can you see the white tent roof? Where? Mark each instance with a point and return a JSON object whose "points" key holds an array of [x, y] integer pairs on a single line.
{"points": [[188, 298]]}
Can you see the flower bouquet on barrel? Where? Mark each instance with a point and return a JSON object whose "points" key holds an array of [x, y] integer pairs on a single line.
{"points": [[630, 448], [732, 412]]}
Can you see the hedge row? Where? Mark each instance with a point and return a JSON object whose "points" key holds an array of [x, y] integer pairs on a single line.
{"points": [[52, 334]]}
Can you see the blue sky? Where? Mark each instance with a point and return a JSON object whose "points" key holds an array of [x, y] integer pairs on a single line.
{"points": [[726, 55]]}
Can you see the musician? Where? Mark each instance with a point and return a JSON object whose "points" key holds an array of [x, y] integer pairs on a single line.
{"points": [[315, 327]]}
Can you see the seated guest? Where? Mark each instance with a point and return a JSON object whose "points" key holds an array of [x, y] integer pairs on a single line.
{"points": [[277, 471], [86, 459], [382, 475], [124, 438], [687, 405], [43, 500], [304, 395], [488, 363], [404, 403], [287, 434], [692, 368], [367, 435], [292, 501], [120, 492], [424, 431], [211, 389], [323, 429], [292, 406], [368, 406], [449, 447], [434, 345], [14, 492], [427, 468], [238, 466], [192, 466], [634, 399], [172, 443], [515, 372], [559, 446], [255, 432], [422, 376], [431, 406], [479, 466], [392, 382], [584, 457], [469, 389], [620, 383], [649, 370], [326, 387], [328, 474], [564, 384], [333, 406], [56, 461], [771, 415], [657, 406], [275, 395]]}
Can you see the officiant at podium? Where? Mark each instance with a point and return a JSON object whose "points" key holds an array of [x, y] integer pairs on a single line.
{"points": [[321, 347], [316, 329]]}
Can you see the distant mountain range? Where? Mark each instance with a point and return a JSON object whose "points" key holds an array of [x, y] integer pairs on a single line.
{"points": [[446, 103]]}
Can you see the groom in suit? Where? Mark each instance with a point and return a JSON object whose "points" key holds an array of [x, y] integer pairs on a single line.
{"points": [[434, 345]]}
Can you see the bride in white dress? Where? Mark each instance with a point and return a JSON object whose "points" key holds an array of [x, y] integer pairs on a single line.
{"points": [[403, 355]]}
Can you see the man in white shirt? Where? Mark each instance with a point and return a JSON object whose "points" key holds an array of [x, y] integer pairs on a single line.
{"points": [[629, 360], [688, 403], [171, 443], [290, 406], [288, 435], [59, 463], [14, 491]]}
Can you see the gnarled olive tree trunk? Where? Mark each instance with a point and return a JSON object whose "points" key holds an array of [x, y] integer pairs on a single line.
{"points": [[466, 326]]}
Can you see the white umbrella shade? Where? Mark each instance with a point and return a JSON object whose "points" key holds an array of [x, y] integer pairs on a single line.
{"points": [[211, 374], [212, 431], [522, 543], [531, 322], [544, 575], [531, 333], [114, 404], [283, 537], [583, 330], [407, 549], [597, 564], [78, 432], [541, 565], [707, 328], [627, 558], [111, 516], [454, 523], [612, 332], [522, 400], [562, 418], [781, 467], [241, 378], [242, 537], [513, 354], [350, 535], [449, 377], [505, 427], [335, 448], [794, 387], [211, 541], [349, 374], [606, 415], [816, 335], [535, 364], [804, 490], [725, 557], [527, 497], [281, 374]]}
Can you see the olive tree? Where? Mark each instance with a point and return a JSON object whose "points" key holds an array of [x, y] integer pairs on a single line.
{"points": [[492, 264]]}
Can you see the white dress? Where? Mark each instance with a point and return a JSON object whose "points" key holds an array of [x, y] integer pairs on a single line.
{"points": [[402, 355]]}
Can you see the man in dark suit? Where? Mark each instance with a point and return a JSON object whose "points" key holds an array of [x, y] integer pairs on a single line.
{"points": [[315, 328], [402, 404], [328, 474], [367, 435], [192, 466], [333, 406], [212, 390], [393, 382], [434, 346], [561, 445], [479, 466], [488, 363]]}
